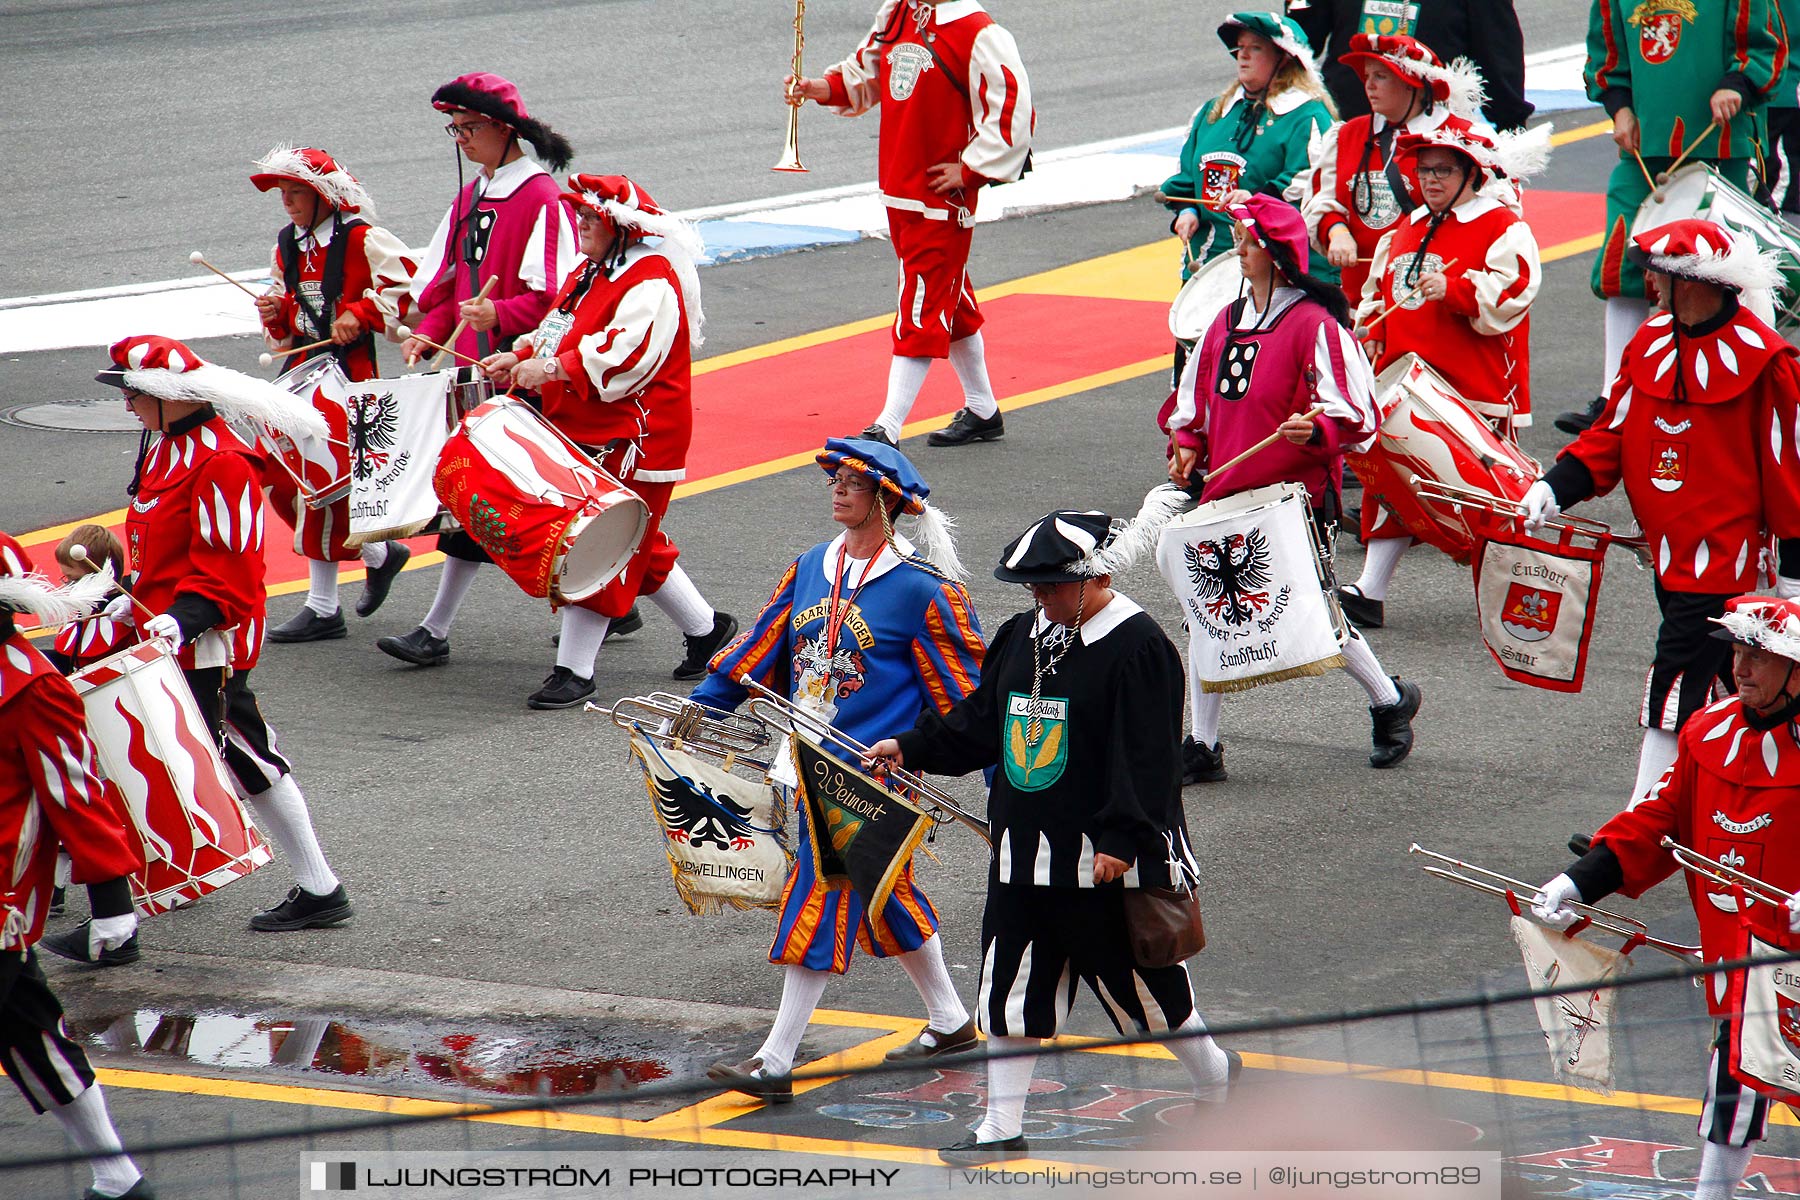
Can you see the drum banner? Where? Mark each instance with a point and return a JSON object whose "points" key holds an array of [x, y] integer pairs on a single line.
{"points": [[1577, 1025], [397, 429], [320, 467], [859, 831], [1535, 600], [1249, 590], [722, 833], [1765, 1040]]}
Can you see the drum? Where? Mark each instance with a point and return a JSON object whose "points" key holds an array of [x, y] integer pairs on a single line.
{"points": [[1428, 430], [318, 467], [1698, 190], [469, 390], [159, 753], [553, 518], [1255, 587], [1206, 294]]}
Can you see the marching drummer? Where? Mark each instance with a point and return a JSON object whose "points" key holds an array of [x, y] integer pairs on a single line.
{"points": [[1456, 280], [1357, 189], [196, 538], [1680, 81], [1699, 429], [1745, 814], [90, 638], [51, 795], [868, 631], [341, 280], [1269, 360], [612, 362], [1079, 706], [1254, 138]]}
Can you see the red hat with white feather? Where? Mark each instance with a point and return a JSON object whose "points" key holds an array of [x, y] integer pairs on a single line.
{"points": [[165, 368], [634, 215], [318, 171]]}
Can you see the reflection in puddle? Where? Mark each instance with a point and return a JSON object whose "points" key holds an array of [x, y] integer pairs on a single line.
{"points": [[506, 1062]]}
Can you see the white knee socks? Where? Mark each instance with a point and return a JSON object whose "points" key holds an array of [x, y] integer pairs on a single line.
{"points": [[1202, 1057], [1379, 566], [281, 813], [1008, 1082], [1365, 668], [1623, 316], [374, 555], [453, 585], [944, 1009], [1654, 757], [1204, 707], [800, 992], [321, 587], [86, 1122], [1721, 1170], [969, 359], [579, 645], [905, 377], [682, 602]]}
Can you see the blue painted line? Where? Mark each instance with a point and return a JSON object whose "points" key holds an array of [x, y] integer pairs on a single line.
{"points": [[1558, 101], [737, 241]]}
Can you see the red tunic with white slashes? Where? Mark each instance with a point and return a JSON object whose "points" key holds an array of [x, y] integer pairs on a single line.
{"points": [[196, 527], [1733, 794], [1713, 475], [51, 795], [93, 638], [377, 281]]}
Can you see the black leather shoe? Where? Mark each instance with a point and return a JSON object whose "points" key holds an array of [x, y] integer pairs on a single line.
{"points": [[1579, 420], [308, 626], [969, 1152], [303, 910], [1202, 764], [418, 647], [700, 650], [743, 1077], [59, 901], [73, 946], [139, 1191], [966, 427], [631, 622], [563, 689], [378, 580], [1362, 612], [876, 433], [1393, 733], [963, 1038]]}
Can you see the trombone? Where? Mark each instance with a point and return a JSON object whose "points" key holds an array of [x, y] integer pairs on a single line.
{"points": [[779, 712], [1725, 875], [677, 723], [790, 152], [1518, 893]]}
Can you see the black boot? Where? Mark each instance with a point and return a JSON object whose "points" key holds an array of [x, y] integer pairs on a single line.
{"points": [[1202, 764], [1578, 420], [700, 649], [1393, 733], [966, 427]]}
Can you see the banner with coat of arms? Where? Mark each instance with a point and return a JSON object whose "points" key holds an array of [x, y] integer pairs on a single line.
{"points": [[1577, 1025], [1535, 599], [397, 429], [860, 832], [1765, 1042]]}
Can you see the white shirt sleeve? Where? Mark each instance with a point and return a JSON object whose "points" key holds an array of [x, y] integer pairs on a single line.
{"points": [[621, 359], [1349, 395], [1508, 281], [431, 261], [999, 107], [861, 72], [1318, 196]]}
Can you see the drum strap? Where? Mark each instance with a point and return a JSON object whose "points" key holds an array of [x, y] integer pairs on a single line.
{"points": [[331, 287], [1395, 176]]}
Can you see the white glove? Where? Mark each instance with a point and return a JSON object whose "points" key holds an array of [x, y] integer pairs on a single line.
{"points": [[119, 609], [1787, 588], [1551, 904], [162, 625], [109, 933], [1540, 505], [1793, 907]]}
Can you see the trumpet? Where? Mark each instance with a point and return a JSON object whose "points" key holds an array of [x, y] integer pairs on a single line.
{"points": [[781, 713], [1726, 875], [790, 152], [675, 722], [1455, 496]]}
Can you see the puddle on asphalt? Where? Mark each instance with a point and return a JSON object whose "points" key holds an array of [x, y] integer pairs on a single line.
{"points": [[506, 1062]]}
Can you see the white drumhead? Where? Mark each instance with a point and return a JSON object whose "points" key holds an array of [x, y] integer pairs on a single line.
{"points": [[1206, 294], [600, 544]]}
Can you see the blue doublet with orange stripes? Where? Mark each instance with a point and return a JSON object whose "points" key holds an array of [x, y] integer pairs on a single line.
{"points": [[909, 640]]}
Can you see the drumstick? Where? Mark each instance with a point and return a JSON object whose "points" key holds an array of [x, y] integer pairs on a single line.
{"points": [[406, 331], [462, 324], [1676, 165], [1312, 414], [1388, 311], [1646, 170], [266, 358], [199, 260], [79, 553]]}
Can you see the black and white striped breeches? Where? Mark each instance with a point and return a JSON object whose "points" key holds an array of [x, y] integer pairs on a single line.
{"points": [[39, 1056]]}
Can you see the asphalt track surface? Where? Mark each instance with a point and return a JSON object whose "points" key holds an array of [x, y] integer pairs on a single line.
{"points": [[507, 877]]}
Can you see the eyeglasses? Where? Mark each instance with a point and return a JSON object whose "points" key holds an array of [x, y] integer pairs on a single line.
{"points": [[856, 485], [464, 130], [1438, 172]]}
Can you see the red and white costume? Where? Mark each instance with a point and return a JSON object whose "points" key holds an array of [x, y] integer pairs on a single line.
{"points": [[90, 639], [952, 88]]}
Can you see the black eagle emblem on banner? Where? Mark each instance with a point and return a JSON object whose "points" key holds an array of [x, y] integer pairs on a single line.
{"points": [[1231, 575], [695, 815], [374, 429]]}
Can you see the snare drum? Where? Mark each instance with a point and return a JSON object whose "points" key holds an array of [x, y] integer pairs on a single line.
{"points": [[317, 468], [160, 754], [1428, 430], [469, 390], [1207, 293], [1698, 190], [1255, 587], [553, 518]]}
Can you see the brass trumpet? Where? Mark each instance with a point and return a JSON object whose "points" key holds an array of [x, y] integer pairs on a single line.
{"points": [[790, 152], [1726, 875]]}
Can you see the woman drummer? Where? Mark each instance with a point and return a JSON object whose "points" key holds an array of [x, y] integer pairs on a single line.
{"points": [[1357, 190], [1277, 353], [1253, 138], [1459, 275]]}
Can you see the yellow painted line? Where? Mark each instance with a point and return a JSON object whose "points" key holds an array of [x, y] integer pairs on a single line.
{"points": [[1569, 249], [1582, 133]]}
